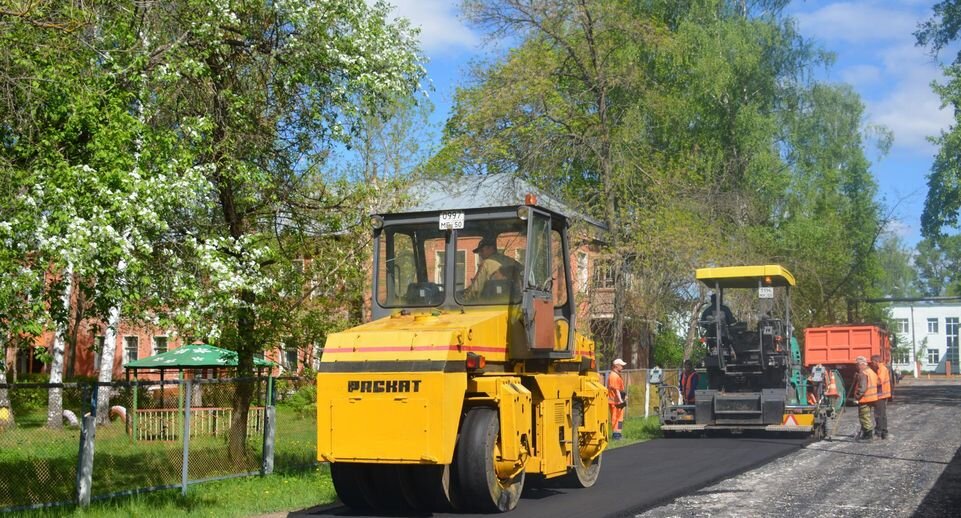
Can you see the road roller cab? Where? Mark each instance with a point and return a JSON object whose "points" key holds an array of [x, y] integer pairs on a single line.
{"points": [[470, 375]]}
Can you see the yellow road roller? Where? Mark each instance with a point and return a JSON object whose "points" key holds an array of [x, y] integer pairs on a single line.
{"points": [[470, 376]]}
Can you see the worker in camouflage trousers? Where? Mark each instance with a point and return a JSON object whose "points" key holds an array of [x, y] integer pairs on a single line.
{"points": [[866, 394]]}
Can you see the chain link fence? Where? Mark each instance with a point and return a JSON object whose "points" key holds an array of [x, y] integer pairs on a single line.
{"points": [[38, 460], [642, 398], [151, 435]]}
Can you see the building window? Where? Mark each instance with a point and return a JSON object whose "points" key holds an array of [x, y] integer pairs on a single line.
{"points": [[933, 355], [582, 272], [932, 326], [290, 357], [131, 348], [604, 274], [902, 356], [440, 267], [951, 330], [901, 324], [159, 344]]}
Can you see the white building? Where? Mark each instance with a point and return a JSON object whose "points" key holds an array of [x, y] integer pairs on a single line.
{"points": [[926, 332]]}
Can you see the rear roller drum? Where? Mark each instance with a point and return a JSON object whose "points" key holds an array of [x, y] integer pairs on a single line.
{"points": [[477, 453], [429, 488], [387, 488], [351, 483]]}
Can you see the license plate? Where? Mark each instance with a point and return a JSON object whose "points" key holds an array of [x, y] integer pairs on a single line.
{"points": [[451, 220]]}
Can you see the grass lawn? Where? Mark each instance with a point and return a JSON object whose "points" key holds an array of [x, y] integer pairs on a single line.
{"points": [[638, 429], [38, 465], [136, 465], [249, 496]]}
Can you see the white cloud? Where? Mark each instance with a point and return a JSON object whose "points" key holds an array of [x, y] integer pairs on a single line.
{"points": [[909, 107], [875, 42], [861, 75], [899, 228], [441, 30], [857, 23]]}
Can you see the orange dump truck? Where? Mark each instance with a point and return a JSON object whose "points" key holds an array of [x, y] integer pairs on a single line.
{"points": [[838, 346]]}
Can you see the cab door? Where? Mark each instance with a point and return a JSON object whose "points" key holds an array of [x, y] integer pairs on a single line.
{"points": [[538, 301]]}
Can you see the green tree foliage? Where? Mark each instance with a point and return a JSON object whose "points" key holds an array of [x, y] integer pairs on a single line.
{"points": [[692, 128], [940, 251], [174, 154], [899, 278]]}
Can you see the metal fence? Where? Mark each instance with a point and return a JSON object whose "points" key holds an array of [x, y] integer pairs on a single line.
{"points": [[153, 435], [642, 398]]}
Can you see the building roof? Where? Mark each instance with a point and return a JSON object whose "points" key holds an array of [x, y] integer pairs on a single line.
{"points": [[193, 356], [488, 191], [745, 276]]}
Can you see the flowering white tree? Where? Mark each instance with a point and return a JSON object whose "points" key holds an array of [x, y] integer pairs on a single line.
{"points": [[178, 162], [269, 89], [86, 212]]}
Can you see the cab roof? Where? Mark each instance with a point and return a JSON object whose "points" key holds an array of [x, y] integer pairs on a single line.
{"points": [[745, 276]]}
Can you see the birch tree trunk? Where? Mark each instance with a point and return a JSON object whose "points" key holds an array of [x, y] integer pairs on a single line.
{"points": [[6, 410], [106, 365], [55, 395]]}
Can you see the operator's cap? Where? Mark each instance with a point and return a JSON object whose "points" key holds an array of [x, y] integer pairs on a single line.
{"points": [[487, 241], [620, 362], [861, 359], [876, 358]]}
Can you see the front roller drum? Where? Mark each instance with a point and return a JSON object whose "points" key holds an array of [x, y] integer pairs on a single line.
{"points": [[393, 488], [587, 465], [476, 463]]}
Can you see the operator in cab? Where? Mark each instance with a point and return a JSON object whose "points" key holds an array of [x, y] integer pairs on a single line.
{"points": [[708, 315], [494, 266]]}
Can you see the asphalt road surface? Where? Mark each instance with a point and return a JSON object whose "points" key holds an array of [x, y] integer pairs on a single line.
{"points": [[637, 477], [916, 472]]}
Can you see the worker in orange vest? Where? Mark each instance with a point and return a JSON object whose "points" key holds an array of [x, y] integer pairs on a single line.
{"points": [[884, 394], [689, 380], [866, 394], [832, 385], [616, 397]]}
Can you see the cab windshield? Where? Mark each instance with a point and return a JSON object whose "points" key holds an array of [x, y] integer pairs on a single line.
{"points": [[494, 252], [414, 268], [411, 266]]}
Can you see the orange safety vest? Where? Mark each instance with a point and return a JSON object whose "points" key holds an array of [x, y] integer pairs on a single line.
{"points": [[884, 382], [871, 391], [687, 382], [832, 388], [615, 384]]}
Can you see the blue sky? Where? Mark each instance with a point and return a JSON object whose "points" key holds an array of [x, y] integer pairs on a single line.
{"points": [[875, 53]]}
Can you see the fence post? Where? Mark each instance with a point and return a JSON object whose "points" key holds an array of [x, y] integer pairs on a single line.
{"points": [[270, 431], [88, 431], [647, 398], [186, 407]]}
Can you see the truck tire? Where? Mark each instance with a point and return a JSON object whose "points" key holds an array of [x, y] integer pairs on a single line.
{"points": [[585, 471], [351, 483], [480, 486]]}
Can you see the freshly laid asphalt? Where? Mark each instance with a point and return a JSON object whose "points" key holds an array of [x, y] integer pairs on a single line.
{"points": [[638, 477]]}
